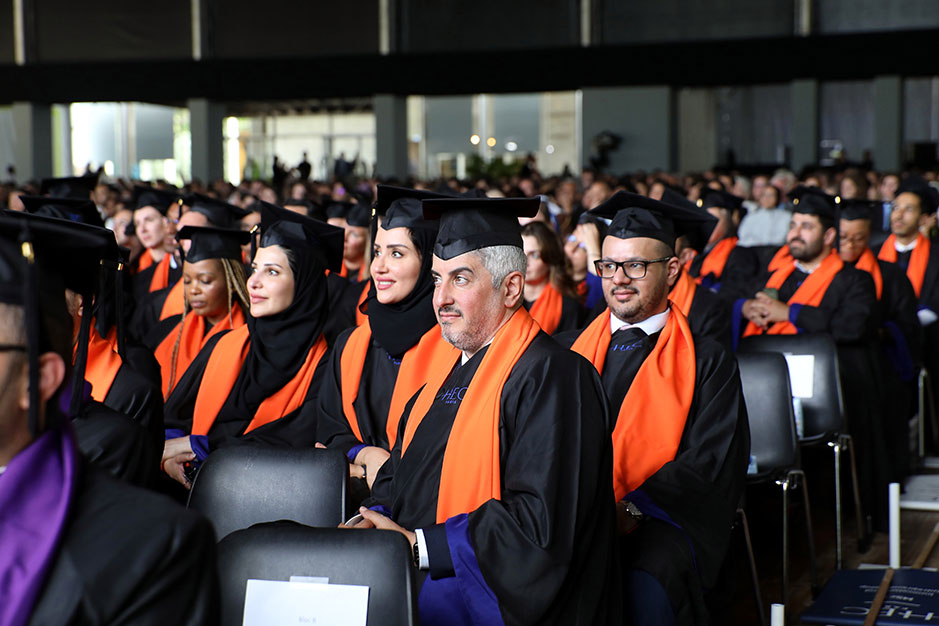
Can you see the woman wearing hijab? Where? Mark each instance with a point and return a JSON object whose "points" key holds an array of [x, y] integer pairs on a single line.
{"points": [[550, 295], [259, 382], [216, 297], [378, 366]]}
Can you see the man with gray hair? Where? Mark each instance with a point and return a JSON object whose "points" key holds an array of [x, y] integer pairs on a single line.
{"points": [[501, 475]]}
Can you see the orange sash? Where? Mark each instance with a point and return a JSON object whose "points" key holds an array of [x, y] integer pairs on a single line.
{"points": [[360, 317], [682, 294], [174, 303], [919, 259], [716, 259], [869, 264], [810, 292], [471, 473], [362, 272], [222, 371], [192, 340], [145, 260], [103, 363], [431, 353], [161, 274], [653, 414], [546, 310], [782, 258]]}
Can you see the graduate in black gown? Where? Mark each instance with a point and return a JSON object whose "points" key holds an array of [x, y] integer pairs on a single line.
{"points": [[156, 267], [77, 546], [362, 419], [816, 292], [500, 475], [550, 293], [900, 335], [259, 382], [681, 440]]}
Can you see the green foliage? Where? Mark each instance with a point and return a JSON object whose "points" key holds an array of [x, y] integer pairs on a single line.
{"points": [[496, 169]]}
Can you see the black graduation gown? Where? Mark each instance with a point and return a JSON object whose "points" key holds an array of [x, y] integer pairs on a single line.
{"points": [[135, 396], [694, 497], [741, 267], [112, 442], [147, 314], [542, 554], [379, 373], [572, 314], [297, 429], [343, 299], [141, 280], [129, 556], [709, 316]]}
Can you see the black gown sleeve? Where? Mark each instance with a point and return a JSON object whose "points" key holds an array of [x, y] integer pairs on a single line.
{"points": [[710, 317], [115, 444], [136, 397], [846, 312], [332, 428], [572, 315], [899, 302]]}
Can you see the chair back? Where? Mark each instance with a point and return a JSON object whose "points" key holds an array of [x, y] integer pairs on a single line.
{"points": [[823, 410], [768, 396], [244, 485], [378, 559]]}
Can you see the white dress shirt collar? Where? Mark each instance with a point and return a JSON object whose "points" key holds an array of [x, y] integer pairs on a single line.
{"points": [[649, 326]]}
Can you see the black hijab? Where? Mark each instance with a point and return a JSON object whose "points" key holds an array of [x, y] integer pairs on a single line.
{"points": [[280, 343], [399, 326]]}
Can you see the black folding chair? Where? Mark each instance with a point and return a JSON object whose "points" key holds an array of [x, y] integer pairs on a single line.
{"points": [[244, 485], [768, 395], [823, 418], [378, 559]]}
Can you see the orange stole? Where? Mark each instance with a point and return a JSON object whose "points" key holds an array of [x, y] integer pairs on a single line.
{"points": [[360, 276], [653, 414], [161, 274], [360, 317], [222, 371], [810, 292], [192, 340], [919, 259], [869, 264], [682, 294], [174, 303], [431, 353], [471, 473], [145, 260], [716, 259], [782, 258], [546, 310], [103, 363]]}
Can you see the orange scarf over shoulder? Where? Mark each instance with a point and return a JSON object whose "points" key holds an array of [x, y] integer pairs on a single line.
{"points": [[682, 294], [471, 473], [782, 258], [174, 303], [546, 310], [810, 292], [653, 414], [192, 339], [103, 363], [430, 354], [161, 274], [868, 263], [222, 371], [360, 276], [919, 259], [145, 260], [716, 259]]}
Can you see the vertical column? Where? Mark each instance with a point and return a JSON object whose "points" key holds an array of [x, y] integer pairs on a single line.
{"points": [[697, 130], [205, 125], [888, 123], [804, 123], [642, 117], [32, 123], [391, 136]]}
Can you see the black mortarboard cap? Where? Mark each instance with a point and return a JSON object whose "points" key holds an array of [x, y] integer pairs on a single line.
{"points": [[401, 207], [359, 215], [717, 198], [928, 195], [69, 187], [633, 216], [78, 210], [213, 243], [220, 214], [156, 198], [814, 201], [302, 235], [338, 209], [697, 238], [858, 209], [468, 224]]}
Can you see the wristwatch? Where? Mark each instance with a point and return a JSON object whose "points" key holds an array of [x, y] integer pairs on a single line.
{"points": [[634, 511], [416, 555]]}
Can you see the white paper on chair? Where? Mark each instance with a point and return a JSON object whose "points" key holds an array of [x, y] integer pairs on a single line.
{"points": [[801, 374], [279, 603]]}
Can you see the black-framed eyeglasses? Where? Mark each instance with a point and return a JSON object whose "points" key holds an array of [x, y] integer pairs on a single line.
{"points": [[634, 269], [10, 347]]}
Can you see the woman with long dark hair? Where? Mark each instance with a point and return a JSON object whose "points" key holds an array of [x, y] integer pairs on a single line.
{"points": [[550, 294]]}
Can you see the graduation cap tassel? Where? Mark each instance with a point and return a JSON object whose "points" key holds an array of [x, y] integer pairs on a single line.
{"points": [[255, 233], [81, 356], [32, 317], [121, 341]]}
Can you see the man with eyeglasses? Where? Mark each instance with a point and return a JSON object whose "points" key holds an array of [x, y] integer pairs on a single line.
{"points": [[681, 438], [900, 335]]}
